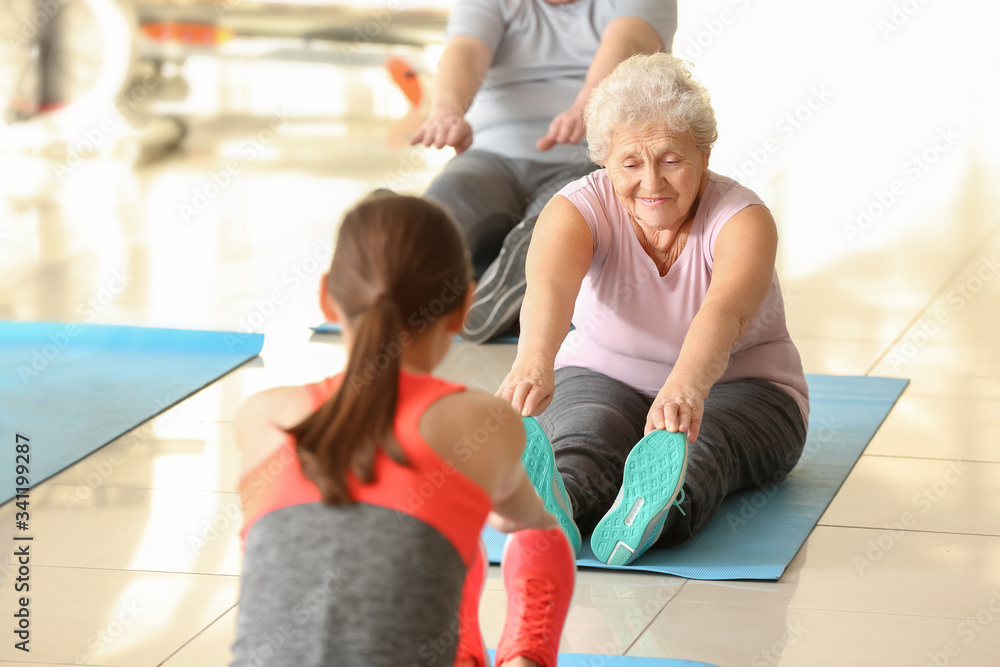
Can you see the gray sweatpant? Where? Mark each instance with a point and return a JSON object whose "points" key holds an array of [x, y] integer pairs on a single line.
{"points": [[351, 585], [488, 195], [751, 432]]}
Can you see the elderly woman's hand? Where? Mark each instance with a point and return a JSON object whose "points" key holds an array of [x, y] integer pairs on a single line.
{"points": [[528, 387], [678, 406]]}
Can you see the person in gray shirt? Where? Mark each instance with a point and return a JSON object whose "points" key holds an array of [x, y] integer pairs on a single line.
{"points": [[509, 96]]}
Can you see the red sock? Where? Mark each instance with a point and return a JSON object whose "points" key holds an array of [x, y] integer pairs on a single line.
{"points": [[538, 571]]}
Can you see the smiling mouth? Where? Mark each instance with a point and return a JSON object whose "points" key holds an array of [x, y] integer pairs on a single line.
{"points": [[652, 200]]}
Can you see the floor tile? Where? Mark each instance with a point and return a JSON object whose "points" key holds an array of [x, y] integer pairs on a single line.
{"points": [[837, 357], [943, 370], [134, 529], [114, 617], [596, 624], [481, 367], [163, 453], [940, 427], [862, 570], [211, 646], [606, 583], [772, 635], [919, 494], [848, 315]]}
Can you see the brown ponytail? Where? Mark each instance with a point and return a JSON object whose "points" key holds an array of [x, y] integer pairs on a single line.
{"points": [[399, 263]]}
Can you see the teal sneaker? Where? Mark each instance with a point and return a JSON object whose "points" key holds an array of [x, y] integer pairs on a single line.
{"points": [[540, 464], [654, 476]]}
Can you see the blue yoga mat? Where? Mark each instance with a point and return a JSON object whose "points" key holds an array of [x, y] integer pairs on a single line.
{"points": [[757, 532], [72, 388], [334, 328], [589, 660]]}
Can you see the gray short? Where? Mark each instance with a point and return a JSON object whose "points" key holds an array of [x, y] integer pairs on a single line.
{"points": [[351, 585]]}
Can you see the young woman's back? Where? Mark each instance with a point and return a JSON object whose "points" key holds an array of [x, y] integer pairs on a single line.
{"points": [[364, 494]]}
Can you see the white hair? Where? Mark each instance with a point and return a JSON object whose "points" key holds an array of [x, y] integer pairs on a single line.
{"points": [[653, 89]]}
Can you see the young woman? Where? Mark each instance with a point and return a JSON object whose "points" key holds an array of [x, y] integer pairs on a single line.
{"points": [[364, 494]]}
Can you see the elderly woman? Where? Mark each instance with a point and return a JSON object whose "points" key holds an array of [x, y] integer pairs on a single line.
{"points": [[666, 271]]}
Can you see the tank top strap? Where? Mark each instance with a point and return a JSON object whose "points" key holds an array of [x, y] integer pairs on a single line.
{"points": [[416, 394], [320, 391]]}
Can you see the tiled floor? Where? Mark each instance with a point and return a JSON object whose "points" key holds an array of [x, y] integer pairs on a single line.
{"points": [[138, 566]]}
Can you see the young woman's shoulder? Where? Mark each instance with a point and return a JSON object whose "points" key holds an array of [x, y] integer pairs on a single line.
{"points": [[461, 425], [261, 422]]}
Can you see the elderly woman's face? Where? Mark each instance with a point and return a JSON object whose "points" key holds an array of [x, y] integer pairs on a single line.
{"points": [[656, 174]]}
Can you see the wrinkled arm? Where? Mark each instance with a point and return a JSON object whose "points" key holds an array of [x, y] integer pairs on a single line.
{"points": [[559, 256], [744, 268]]}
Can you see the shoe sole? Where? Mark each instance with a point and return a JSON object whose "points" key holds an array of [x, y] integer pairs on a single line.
{"points": [[498, 299], [653, 476], [540, 464]]}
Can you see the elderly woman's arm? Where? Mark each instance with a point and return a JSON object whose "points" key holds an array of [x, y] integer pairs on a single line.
{"points": [[558, 259], [741, 277]]}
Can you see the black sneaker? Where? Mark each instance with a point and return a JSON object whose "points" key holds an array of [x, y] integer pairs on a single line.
{"points": [[497, 302]]}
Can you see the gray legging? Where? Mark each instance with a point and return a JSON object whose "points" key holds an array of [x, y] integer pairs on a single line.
{"points": [[751, 432], [348, 585], [488, 195]]}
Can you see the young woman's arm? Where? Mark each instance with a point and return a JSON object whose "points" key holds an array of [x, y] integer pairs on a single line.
{"points": [[483, 437]]}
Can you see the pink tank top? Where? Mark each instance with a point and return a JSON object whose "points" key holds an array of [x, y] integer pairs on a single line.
{"points": [[630, 322], [430, 488]]}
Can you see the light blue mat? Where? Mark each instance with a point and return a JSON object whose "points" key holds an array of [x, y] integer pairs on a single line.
{"points": [[589, 660], [72, 388], [757, 532], [334, 328]]}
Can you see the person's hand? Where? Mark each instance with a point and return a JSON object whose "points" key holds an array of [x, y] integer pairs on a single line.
{"points": [[500, 524], [444, 129], [566, 128], [678, 406], [528, 387]]}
